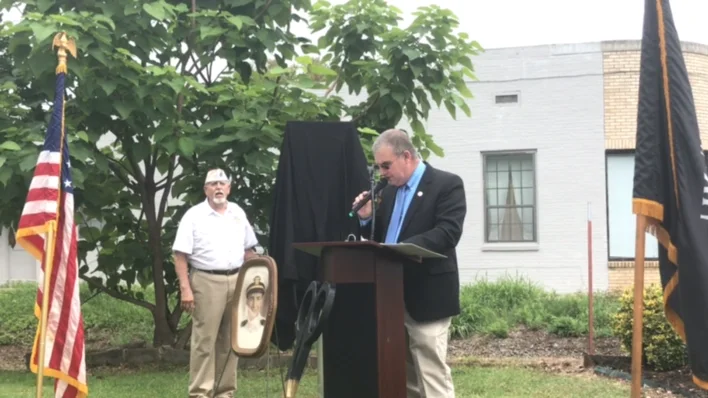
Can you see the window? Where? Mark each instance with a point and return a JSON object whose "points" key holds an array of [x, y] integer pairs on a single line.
{"points": [[510, 197], [507, 99], [621, 221]]}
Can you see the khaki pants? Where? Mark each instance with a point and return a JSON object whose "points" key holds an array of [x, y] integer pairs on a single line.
{"points": [[211, 336], [427, 372]]}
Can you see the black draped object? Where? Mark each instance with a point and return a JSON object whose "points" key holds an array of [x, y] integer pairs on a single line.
{"points": [[322, 168]]}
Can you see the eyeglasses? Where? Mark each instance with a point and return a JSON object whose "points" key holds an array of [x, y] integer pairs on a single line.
{"points": [[387, 164]]}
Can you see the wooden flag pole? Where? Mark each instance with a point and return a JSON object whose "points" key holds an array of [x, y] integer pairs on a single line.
{"points": [[48, 262], [637, 330]]}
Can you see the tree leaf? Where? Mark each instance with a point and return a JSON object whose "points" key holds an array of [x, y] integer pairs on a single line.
{"points": [[321, 70], [123, 109], [2, 160], [10, 146], [83, 136], [239, 20], [186, 145], [41, 32], [106, 20], [155, 9], [417, 127], [210, 31], [411, 53], [304, 60], [5, 175], [108, 86], [28, 163]]}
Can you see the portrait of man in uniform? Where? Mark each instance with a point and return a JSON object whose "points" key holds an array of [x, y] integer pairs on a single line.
{"points": [[251, 317]]}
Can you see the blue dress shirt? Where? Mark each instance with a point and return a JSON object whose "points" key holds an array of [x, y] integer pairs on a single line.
{"points": [[404, 196]]}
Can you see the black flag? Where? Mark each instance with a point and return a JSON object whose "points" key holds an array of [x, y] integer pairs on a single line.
{"points": [[670, 182]]}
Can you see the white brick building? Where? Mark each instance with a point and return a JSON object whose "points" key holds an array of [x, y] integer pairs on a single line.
{"points": [[540, 110]]}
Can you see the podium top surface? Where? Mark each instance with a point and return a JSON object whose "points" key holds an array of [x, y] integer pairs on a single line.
{"points": [[406, 249]]}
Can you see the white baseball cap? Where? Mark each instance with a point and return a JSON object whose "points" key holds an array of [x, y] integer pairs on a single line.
{"points": [[216, 175]]}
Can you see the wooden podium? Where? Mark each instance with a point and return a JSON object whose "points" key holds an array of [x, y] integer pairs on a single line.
{"points": [[364, 339]]}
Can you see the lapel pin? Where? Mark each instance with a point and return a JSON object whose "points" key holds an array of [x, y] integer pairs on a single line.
{"points": [[420, 193]]}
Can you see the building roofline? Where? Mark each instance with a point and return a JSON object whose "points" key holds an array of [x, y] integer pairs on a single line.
{"points": [[636, 45], [606, 46]]}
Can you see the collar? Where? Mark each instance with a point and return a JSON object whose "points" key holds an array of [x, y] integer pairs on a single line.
{"points": [[416, 176], [210, 210]]}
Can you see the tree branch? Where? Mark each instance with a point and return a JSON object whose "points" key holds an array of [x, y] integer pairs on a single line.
{"points": [[128, 147], [166, 191], [176, 315], [200, 70], [331, 88], [363, 112], [115, 168], [263, 11], [120, 296]]}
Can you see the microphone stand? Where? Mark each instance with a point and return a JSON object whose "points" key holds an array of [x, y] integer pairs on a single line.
{"points": [[372, 181]]}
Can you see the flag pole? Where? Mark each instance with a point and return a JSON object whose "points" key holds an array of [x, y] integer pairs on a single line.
{"points": [[591, 311], [48, 262], [637, 330], [66, 46]]}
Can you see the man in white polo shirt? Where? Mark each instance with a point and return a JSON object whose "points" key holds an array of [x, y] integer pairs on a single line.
{"points": [[215, 238]]}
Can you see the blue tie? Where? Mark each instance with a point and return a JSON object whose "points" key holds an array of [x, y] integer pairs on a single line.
{"points": [[397, 216]]}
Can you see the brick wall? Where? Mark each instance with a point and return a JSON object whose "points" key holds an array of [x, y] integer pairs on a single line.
{"points": [[621, 274], [621, 87]]}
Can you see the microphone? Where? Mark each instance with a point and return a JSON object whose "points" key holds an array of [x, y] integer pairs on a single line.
{"points": [[381, 184]]}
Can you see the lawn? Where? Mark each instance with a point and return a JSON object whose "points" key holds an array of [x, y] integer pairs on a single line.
{"points": [[470, 382], [488, 309]]}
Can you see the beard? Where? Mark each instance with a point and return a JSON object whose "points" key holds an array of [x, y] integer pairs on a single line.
{"points": [[219, 200]]}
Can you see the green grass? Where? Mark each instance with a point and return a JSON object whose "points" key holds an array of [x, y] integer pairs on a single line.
{"points": [[470, 382], [494, 308], [107, 321]]}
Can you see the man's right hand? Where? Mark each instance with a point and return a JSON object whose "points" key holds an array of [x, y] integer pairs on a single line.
{"points": [[365, 211], [187, 298]]}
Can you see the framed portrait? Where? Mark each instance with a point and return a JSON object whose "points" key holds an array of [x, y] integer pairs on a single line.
{"points": [[254, 307]]}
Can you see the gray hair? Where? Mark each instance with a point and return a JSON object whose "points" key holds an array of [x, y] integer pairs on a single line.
{"points": [[398, 140]]}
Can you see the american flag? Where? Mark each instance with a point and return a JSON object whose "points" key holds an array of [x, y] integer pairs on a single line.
{"points": [[51, 199]]}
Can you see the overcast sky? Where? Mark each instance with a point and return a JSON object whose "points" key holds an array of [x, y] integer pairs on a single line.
{"points": [[511, 23]]}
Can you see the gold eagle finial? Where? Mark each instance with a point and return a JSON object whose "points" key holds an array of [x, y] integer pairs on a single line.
{"points": [[65, 44]]}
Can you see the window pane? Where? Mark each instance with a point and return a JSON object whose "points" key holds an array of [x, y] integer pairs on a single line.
{"points": [[515, 164], [503, 165], [491, 164], [516, 179], [528, 232], [492, 197], [527, 179], [493, 216], [501, 196], [527, 197], [491, 179], [527, 164], [527, 215], [492, 225]]}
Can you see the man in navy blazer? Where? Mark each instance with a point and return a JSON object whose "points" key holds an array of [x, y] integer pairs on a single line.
{"points": [[427, 207]]}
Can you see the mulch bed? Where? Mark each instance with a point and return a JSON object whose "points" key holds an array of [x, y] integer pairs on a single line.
{"points": [[547, 352], [534, 349]]}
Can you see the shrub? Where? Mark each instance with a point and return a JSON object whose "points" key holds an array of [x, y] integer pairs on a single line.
{"points": [[495, 308], [662, 348], [566, 326]]}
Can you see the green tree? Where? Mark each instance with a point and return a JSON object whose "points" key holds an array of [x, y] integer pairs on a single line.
{"points": [[163, 90]]}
